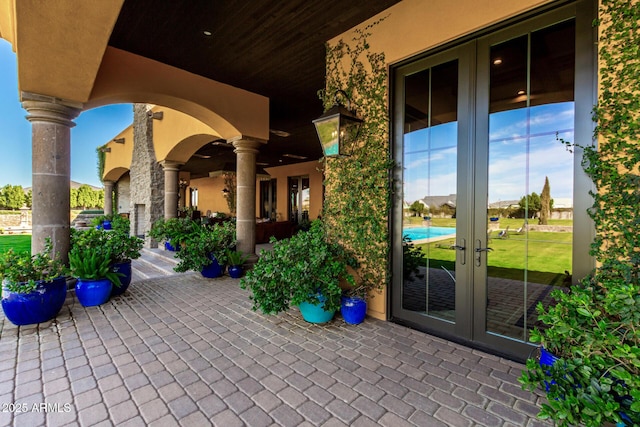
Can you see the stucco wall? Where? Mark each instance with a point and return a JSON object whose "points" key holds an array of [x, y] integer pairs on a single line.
{"points": [[209, 195], [415, 26], [281, 173]]}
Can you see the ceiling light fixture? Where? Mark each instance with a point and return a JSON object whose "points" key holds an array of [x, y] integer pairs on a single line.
{"points": [[280, 133], [222, 144], [294, 156], [521, 92], [207, 33], [497, 61]]}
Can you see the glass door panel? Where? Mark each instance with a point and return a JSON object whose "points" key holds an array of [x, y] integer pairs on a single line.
{"points": [[430, 157], [299, 199], [529, 225]]}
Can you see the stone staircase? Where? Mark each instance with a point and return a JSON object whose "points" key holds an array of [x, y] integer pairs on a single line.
{"points": [[159, 262], [153, 262]]}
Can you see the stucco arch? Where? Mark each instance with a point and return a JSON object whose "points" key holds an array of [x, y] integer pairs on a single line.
{"points": [[178, 136], [118, 160], [115, 174], [127, 78]]}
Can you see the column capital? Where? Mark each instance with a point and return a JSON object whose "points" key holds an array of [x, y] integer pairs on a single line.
{"points": [[171, 165], [246, 145], [43, 108]]}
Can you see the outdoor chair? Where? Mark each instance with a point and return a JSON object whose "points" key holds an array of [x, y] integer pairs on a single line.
{"points": [[504, 234]]}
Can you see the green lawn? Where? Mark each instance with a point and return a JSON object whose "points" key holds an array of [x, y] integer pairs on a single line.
{"points": [[19, 242], [545, 255]]}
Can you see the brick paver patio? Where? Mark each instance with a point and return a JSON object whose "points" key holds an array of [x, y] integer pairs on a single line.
{"points": [[184, 350]]}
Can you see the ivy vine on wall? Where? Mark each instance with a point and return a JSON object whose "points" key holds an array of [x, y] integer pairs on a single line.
{"points": [[357, 201], [101, 160], [614, 167]]}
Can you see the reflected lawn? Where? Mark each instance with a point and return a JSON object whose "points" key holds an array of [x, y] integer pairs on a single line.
{"points": [[547, 255]]}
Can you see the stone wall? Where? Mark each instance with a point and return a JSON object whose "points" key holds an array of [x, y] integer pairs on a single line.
{"points": [[9, 220], [146, 189], [123, 189]]}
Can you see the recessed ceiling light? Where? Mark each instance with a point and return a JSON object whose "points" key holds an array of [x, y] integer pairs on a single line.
{"points": [[521, 92], [497, 61], [280, 133], [207, 33], [222, 144], [294, 156]]}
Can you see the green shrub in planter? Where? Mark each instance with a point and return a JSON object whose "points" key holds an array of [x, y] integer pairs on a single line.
{"points": [[204, 240], [117, 241], [236, 258], [594, 333], [174, 230], [20, 271], [92, 264], [304, 268]]}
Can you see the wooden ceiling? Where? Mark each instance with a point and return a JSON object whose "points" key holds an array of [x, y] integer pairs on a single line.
{"points": [[273, 48]]}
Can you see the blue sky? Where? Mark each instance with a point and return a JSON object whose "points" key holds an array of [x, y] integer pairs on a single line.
{"points": [[93, 128], [523, 150]]}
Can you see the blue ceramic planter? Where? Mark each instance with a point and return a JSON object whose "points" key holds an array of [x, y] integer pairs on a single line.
{"points": [[353, 309], [168, 246], [93, 292], [315, 313], [41, 305], [235, 271], [106, 225], [125, 281], [213, 270]]}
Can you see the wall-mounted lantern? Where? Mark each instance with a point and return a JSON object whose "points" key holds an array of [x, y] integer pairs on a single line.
{"points": [[118, 140], [337, 127]]}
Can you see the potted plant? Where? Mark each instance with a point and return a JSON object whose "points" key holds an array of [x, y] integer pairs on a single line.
{"points": [[92, 267], [123, 247], [33, 286], [102, 222], [204, 249], [236, 260], [173, 231], [305, 271]]}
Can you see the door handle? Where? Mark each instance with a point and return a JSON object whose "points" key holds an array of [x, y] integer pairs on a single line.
{"points": [[479, 250], [462, 248]]}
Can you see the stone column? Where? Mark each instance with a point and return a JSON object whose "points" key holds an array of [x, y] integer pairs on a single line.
{"points": [[108, 197], [51, 123], [171, 170], [246, 151]]}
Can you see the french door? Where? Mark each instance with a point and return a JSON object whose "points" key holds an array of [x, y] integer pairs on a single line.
{"points": [[484, 230]]}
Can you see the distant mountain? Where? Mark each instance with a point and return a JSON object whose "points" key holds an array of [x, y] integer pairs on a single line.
{"points": [[74, 186]]}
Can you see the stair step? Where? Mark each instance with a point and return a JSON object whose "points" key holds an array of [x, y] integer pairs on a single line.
{"points": [[153, 263]]}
